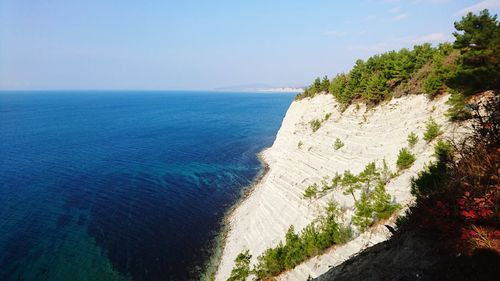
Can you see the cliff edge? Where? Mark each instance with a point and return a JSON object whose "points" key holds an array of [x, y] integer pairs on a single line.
{"points": [[301, 156]]}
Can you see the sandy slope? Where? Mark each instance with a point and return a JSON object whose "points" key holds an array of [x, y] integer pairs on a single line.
{"points": [[262, 219]]}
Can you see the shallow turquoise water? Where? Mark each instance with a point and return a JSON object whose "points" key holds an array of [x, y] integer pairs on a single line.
{"points": [[123, 185]]}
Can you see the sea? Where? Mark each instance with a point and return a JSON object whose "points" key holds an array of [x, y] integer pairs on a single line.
{"points": [[124, 185]]}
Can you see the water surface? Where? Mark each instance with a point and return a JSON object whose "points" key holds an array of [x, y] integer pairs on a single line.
{"points": [[123, 185]]}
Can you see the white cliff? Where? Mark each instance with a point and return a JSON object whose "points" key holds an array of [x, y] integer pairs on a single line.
{"points": [[277, 202]]}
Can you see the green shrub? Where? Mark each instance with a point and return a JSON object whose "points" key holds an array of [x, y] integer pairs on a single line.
{"points": [[432, 130], [405, 159], [412, 139], [338, 144], [311, 191], [442, 150], [429, 179], [327, 116], [315, 125], [241, 269]]}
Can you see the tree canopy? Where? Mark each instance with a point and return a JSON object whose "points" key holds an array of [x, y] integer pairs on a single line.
{"points": [[470, 64]]}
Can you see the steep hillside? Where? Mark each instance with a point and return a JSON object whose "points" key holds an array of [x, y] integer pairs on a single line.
{"points": [[300, 157], [452, 230], [343, 161]]}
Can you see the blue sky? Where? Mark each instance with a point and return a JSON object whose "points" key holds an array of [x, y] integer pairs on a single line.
{"points": [[163, 44]]}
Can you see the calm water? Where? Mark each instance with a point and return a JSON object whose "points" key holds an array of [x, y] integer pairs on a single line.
{"points": [[123, 185]]}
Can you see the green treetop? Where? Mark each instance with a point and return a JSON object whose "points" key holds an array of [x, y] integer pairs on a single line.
{"points": [[351, 183]]}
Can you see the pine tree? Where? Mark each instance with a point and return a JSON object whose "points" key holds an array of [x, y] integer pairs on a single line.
{"points": [[369, 174], [241, 269], [382, 204], [325, 84], [363, 217], [317, 85], [477, 37], [351, 183]]}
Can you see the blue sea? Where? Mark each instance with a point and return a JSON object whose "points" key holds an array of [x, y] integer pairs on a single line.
{"points": [[124, 185]]}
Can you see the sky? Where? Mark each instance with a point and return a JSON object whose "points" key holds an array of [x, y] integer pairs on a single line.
{"points": [[197, 45]]}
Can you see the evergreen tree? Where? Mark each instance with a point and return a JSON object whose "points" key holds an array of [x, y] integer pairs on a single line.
{"points": [[382, 206], [241, 269], [293, 248], [363, 217], [369, 174], [325, 84], [339, 88], [478, 39], [351, 183], [317, 85]]}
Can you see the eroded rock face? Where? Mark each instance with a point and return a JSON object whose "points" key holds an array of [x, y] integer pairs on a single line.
{"points": [[300, 157]]}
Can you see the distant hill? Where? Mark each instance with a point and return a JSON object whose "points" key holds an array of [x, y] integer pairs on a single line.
{"points": [[260, 87]]}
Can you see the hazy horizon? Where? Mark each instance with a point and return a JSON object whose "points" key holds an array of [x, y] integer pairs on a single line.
{"points": [[159, 45]]}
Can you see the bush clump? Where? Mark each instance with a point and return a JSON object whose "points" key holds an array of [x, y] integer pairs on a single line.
{"points": [[432, 130], [442, 150], [338, 144], [412, 139], [311, 191], [405, 159], [315, 125]]}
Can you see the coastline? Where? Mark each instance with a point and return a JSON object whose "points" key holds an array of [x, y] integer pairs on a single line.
{"points": [[213, 263], [261, 217]]}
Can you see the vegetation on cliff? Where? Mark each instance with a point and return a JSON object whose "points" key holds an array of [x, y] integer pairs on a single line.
{"points": [[311, 241], [469, 65], [452, 232], [458, 194], [454, 225]]}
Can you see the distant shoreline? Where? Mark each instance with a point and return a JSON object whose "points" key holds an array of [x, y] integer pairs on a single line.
{"points": [[282, 90], [262, 90]]}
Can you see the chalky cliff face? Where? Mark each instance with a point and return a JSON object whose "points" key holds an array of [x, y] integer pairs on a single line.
{"points": [[300, 157]]}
